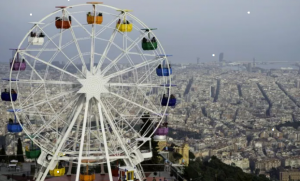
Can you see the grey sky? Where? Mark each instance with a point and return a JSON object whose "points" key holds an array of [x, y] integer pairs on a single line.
{"points": [[187, 28]]}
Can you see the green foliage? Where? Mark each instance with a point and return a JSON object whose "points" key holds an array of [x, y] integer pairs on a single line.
{"points": [[191, 155], [214, 169], [177, 156], [20, 156]]}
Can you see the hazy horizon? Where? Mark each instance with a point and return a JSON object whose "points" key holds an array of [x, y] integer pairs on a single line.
{"points": [[187, 29]]}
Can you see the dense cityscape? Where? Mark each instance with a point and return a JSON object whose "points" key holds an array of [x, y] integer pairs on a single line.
{"points": [[242, 114]]}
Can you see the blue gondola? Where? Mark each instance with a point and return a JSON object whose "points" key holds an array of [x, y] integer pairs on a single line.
{"points": [[14, 126], [163, 71], [172, 101], [5, 96]]}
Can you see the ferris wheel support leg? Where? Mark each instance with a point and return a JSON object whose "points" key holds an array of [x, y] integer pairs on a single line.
{"points": [[65, 136], [74, 146], [87, 102], [105, 142], [127, 161], [70, 167]]}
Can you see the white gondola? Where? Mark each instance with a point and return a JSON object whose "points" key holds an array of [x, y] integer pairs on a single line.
{"points": [[34, 37], [36, 40], [146, 150]]}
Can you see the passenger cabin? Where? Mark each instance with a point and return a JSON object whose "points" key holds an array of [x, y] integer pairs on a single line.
{"points": [[161, 132], [32, 151], [124, 25], [13, 126], [87, 175], [92, 19], [63, 22], [36, 37], [146, 148], [16, 63], [149, 43], [172, 100], [164, 70], [58, 171], [9, 96], [162, 129]]}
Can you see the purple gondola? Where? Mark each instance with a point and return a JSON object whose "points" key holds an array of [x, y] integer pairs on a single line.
{"points": [[162, 131], [15, 63]]}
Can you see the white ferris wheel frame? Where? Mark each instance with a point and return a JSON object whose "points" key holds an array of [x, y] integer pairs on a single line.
{"points": [[80, 102]]}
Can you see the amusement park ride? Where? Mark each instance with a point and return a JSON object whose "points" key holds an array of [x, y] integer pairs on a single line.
{"points": [[113, 72]]}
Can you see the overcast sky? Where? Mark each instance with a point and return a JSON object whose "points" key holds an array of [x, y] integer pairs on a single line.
{"points": [[187, 28]]}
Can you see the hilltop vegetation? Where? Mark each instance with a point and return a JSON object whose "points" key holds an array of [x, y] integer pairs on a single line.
{"points": [[215, 169]]}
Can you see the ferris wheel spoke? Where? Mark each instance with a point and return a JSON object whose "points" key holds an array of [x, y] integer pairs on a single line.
{"points": [[77, 45], [122, 145], [148, 100], [38, 59], [104, 141], [108, 103], [66, 131], [57, 115], [27, 62], [104, 54], [134, 103], [59, 48], [54, 97], [47, 82], [132, 68], [73, 18], [87, 104], [147, 74], [106, 26], [32, 93], [132, 45], [132, 85]]}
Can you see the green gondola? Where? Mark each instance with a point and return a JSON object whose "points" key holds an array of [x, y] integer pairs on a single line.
{"points": [[32, 152], [149, 43]]}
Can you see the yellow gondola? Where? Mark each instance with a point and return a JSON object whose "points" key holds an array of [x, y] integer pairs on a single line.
{"points": [[58, 172], [124, 25]]}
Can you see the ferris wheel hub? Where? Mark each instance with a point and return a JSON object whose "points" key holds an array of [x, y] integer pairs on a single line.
{"points": [[93, 85]]}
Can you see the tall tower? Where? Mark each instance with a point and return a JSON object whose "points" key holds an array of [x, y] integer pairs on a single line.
{"points": [[221, 56], [198, 60], [254, 65]]}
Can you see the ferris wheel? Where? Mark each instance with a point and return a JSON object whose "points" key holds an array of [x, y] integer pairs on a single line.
{"points": [[84, 80]]}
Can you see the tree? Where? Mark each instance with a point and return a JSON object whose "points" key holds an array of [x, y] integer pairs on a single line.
{"points": [[191, 155], [20, 156], [3, 154], [257, 171]]}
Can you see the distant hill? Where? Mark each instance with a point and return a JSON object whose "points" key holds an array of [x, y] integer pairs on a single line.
{"points": [[216, 170]]}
